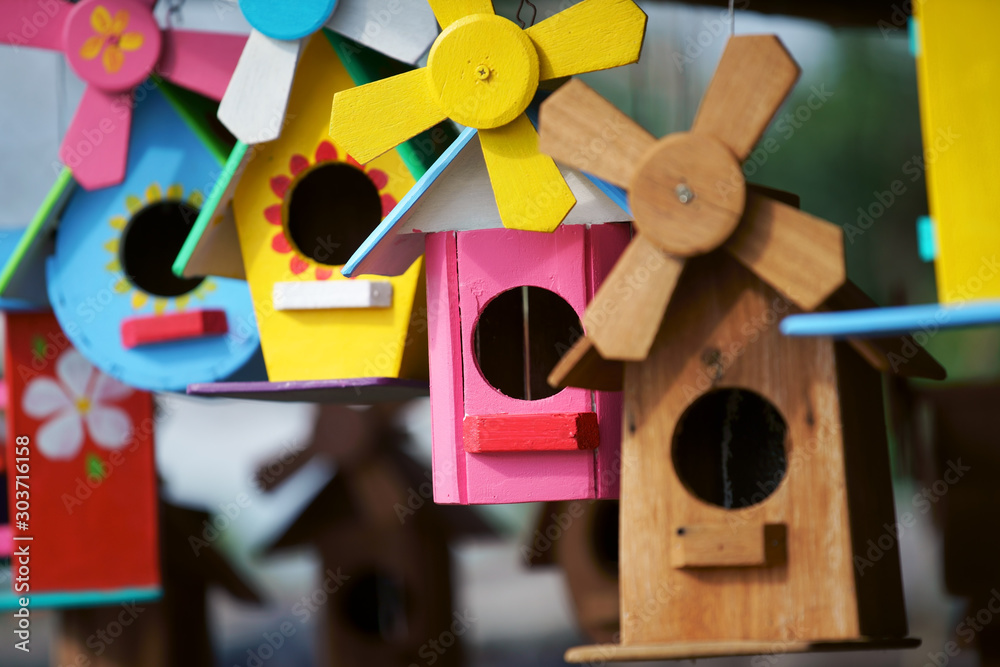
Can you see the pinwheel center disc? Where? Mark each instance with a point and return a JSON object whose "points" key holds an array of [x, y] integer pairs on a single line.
{"points": [[111, 44], [688, 194], [483, 71], [286, 20]]}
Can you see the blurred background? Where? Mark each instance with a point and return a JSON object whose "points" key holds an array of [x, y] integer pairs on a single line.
{"points": [[849, 130]]}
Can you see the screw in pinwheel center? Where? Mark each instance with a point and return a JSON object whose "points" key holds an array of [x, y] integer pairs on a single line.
{"points": [[688, 194], [483, 71]]}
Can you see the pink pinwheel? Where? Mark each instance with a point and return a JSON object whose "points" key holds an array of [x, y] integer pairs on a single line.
{"points": [[114, 45]]}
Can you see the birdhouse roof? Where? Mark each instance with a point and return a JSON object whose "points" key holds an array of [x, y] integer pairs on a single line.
{"points": [[22, 278], [212, 247], [456, 195]]}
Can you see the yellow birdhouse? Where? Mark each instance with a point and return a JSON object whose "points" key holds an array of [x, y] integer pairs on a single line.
{"points": [[289, 213]]}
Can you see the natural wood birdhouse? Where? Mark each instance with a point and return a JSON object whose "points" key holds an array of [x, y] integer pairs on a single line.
{"points": [[754, 466]]}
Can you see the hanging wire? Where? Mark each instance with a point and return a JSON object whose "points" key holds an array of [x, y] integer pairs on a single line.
{"points": [[732, 17], [534, 13], [173, 11]]}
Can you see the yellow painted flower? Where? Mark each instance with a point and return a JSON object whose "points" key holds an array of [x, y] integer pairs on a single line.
{"points": [[111, 38], [135, 203]]}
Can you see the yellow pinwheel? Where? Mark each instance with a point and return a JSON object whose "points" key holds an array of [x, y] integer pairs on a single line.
{"points": [[482, 72]]}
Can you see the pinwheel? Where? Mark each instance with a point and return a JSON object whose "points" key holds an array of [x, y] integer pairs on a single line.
{"points": [[689, 197], [482, 72], [114, 45], [255, 103]]}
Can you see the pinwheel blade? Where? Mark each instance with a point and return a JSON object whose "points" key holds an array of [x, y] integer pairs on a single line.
{"points": [[590, 36], [405, 29], [376, 117], [201, 61], [530, 191], [449, 11], [583, 366], [33, 24], [628, 309], [581, 129], [256, 99], [754, 77], [799, 255], [98, 163]]}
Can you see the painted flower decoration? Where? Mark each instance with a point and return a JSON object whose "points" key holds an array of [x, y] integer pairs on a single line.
{"points": [[298, 165], [79, 401], [111, 38], [134, 203]]}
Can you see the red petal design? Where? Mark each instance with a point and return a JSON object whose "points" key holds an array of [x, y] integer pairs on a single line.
{"points": [[388, 203], [273, 214], [323, 274], [379, 177], [298, 265], [279, 185], [280, 243], [298, 163], [326, 152]]}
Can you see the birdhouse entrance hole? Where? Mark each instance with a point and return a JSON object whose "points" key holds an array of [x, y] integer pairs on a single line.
{"points": [[520, 336], [729, 448], [375, 604], [149, 246], [330, 211]]}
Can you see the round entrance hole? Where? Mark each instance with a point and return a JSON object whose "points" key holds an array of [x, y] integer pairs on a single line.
{"points": [[331, 211], [150, 244], [519, 338], [729, 448]]}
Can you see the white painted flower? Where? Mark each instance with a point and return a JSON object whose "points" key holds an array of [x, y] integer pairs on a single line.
{"points": [[80, 398]]}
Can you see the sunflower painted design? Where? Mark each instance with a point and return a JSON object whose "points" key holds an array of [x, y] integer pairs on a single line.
{"points": [[111, 38], [134, 203], [281, 186]]}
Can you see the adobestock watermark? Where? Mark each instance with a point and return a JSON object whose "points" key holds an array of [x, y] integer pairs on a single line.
{"points": [[33, 22], [712, 28], [922, 501], [966, 631], [898, 19], [432, 650], [101, 470], [304, 609], [787, 124], [913, 169]]}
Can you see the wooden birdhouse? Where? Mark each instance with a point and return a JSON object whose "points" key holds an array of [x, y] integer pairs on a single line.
{"points": [[81, 474], [504, 301], [102, 258], [287, 214], [581, 539], [754, 466], [114, 46], [386, 561]]}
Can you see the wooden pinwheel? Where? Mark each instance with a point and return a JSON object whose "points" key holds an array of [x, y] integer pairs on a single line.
{"points": [[114, 45], [689, 197], [482, 72]]}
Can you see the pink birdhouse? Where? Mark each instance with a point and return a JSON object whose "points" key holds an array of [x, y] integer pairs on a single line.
{"points": [[503, 306]]}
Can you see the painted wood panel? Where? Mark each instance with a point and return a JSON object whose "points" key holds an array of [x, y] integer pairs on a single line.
{"points": [[92, 482]]}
